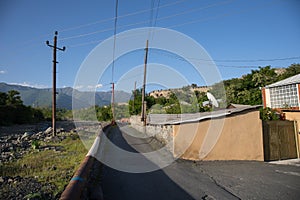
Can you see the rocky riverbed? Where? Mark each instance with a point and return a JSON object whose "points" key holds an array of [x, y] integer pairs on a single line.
{"points": [[17, 141], [13, 146]]}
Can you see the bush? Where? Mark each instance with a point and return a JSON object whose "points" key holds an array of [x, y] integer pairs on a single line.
{"points": [[268, 114], [35, 144]]}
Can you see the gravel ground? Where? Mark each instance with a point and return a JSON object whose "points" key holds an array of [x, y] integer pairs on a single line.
{"points": [[24, 188]]}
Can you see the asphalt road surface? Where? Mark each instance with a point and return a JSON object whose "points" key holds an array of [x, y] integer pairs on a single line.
{"points": [[197, 180]]}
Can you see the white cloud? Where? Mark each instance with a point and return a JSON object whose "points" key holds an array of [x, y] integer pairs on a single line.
{"points": [[91, 87], [99, 86], [2, 72], [30, 85], [78, 87], [88, 87]]}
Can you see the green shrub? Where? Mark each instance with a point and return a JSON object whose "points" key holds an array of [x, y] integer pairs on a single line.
{"points": [[35, 144], [268, 114]]}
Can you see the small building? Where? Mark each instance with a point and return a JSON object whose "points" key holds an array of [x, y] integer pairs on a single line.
{"points": [[283, 94]]}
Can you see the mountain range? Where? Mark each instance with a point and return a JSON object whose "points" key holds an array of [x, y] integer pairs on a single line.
{"points": [[42, 97]]}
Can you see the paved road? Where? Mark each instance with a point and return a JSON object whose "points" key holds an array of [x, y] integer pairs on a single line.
{"points": [[198, 180]]}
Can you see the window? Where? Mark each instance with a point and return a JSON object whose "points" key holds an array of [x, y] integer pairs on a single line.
{"points": [[284, 96]]}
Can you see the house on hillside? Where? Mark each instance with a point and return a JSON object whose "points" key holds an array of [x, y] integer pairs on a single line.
{"points": [[283, 94]]}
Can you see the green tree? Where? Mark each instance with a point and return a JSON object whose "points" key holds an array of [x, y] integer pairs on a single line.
{"points": [[104, 113], [173, 108], [13, 98], [3, 98], [150, 101], [135, 105], [245, 90], [264, 76], [292, 70]]}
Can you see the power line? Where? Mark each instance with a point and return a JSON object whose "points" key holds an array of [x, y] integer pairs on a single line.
{"points": [[150, 21], [219, 16], [157, 8], [155, 18], [160, 52], [182, 24], [242, 67], [86, 43], [253, 60], [195, 9], [113, 65], [115, 34], [102, 30], [151, 13], [122, 16]]}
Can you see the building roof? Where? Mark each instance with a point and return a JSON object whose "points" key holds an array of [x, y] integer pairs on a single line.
{"points": [[234, 105], [288, 81], [169, 119]]}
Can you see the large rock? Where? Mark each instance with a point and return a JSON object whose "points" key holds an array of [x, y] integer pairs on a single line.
{"points": [[48, 130], [26, 134]]}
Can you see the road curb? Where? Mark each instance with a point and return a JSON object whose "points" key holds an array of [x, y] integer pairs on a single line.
{"points": [[78, 183]]}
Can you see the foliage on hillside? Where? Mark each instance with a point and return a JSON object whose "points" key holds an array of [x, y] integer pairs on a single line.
{"points": [[247, 90], [103, 113], [13, 111], [179, 101], [61, 113]]}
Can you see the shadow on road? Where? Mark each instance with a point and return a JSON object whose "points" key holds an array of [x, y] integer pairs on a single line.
{"points": [[123, 185]]}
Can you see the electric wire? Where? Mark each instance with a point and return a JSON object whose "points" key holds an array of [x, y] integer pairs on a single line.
{"points": [[221, 16], [155, 20], [160, 52], [122, 16], [114, 47], [151, 20], [157, 8]]}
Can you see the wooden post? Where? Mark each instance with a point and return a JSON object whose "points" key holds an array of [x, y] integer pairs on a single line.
{"points": [[54, 46], [143, 119]]}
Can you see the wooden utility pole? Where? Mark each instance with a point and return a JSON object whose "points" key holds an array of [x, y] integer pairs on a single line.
{"points": [[54, 46], [113, 104], [143, 119], [134, 95]]}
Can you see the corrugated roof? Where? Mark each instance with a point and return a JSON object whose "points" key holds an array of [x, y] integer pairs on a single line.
{"points": [[169, 119], [238, 105], [288, 81]]}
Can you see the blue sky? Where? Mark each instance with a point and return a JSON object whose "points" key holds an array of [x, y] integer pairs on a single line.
{"points": [[238, 35]]}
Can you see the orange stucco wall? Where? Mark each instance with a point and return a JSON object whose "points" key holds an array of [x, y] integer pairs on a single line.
{"points": [[240, 138]]}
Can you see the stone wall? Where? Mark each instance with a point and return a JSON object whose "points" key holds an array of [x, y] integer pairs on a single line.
{"points": [[163, 133]]}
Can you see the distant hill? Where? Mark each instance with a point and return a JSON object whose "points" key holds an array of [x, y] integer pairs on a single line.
{"points": [[37, 97]]}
